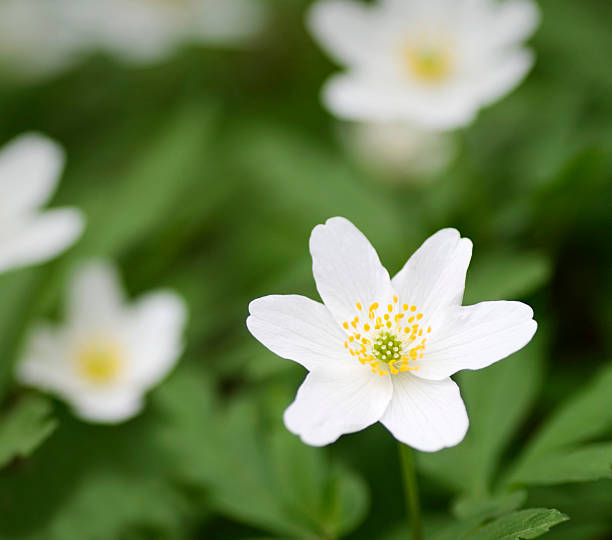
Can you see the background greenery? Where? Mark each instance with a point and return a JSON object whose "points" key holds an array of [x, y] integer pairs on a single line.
{"points": [[206, 173]]}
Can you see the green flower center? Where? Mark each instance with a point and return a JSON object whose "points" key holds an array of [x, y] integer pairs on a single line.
{"points": [[387, 347]]}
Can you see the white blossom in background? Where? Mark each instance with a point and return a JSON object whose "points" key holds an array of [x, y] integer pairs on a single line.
{"points": [[433, 63], [30, 168], [108, 353], [42, 37], [381, 349], [145, 31], [35, 40], [399, 151]]}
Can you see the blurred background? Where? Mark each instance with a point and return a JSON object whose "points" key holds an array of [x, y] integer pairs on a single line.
{"points": [[204, 169]]}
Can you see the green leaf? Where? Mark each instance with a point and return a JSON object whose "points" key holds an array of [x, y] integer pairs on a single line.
{"points": [[92, 483], [591, 462], [586, 415], [25, 427], [522, 524], [267, 479], [489, 507], [497, 399], [555, 455]]}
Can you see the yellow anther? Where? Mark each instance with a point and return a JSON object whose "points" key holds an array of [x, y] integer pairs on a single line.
{"points": [[412, 308], [374, 306], [405, 307], [419, 316], [390, 307], [345, 325], [366, 327], [395, 299], [358, 306]]}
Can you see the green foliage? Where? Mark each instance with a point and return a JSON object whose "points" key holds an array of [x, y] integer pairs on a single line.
{"points": [[25, 427], [205, 173], [558, 454], [267, 479], [522, 524]]}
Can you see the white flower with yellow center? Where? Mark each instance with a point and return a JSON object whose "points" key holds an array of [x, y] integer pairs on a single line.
{"points": [[381, 349], [109, 353], [30, 168], [430, 62]]}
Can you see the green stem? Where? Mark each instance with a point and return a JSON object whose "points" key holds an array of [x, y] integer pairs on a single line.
{"points": [[411, 490]]}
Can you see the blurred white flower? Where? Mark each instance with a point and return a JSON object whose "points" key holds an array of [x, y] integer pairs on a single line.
{"points": [[109, 353], [41, 37], [381, 349], [398, 150], [433, 63], [34, 37], [148, 30], [30, 168]]}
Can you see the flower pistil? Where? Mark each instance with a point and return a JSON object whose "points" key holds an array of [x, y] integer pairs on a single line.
{"points": [[388, 340]]}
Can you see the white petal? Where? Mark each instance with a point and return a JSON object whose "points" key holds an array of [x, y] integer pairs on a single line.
{"points": [[96, 297], [347, 269], [504, 75], [434, 277], [156, 327], [512, 21], [107, 406], [476, 336], [341, 27], [30, 167], [39, 238], [374, 98], [299, 329], [334, 402], [45, 363], [427, 415]]}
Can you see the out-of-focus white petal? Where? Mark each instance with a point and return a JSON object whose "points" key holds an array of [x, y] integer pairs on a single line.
{"points": [[44, 363], [427, 415], [39, 238], [474, 337], [347, 269], [504, 75], [357, 97], [512, 22], [434, 277], [331, 403], [345, 28], [107, 406], [156, 328], [30, 167], [299, 329], [96, 297]]}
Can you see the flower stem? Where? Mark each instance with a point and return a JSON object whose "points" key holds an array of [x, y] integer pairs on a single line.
{"points": [[411, 490]]}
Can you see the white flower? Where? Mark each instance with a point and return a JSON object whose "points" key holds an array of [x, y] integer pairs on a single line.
{"points": [[430, 62], [149, 30], [399, 150], [382, 349], [30, 167], [109, 353]]}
